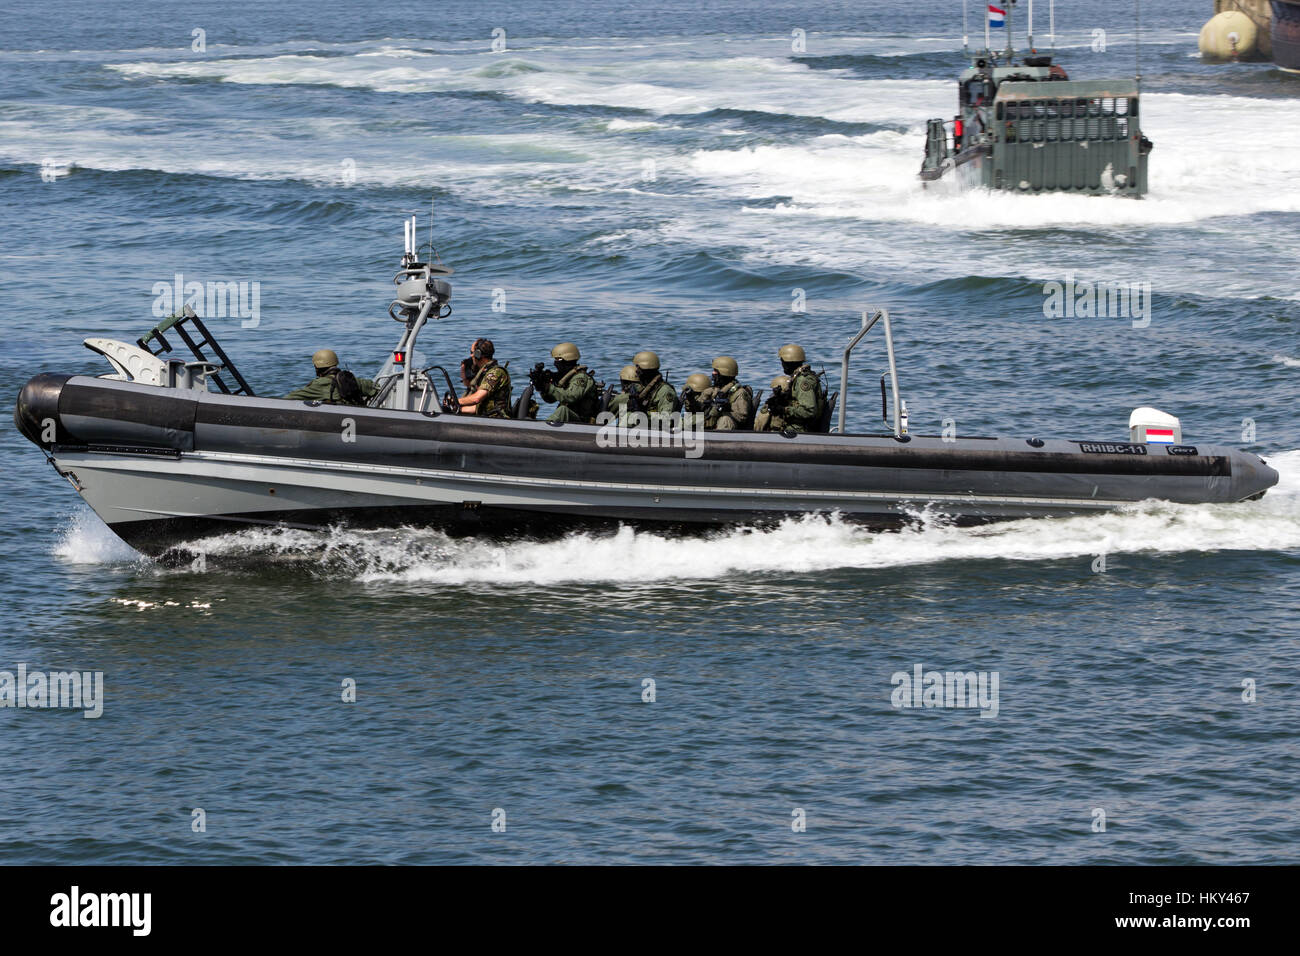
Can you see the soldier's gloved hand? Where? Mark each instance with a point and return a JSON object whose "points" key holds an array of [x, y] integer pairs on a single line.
{"points": [[450, 405]]}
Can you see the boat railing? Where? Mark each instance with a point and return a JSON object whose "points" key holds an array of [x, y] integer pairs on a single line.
{"points": [[869, 321]]}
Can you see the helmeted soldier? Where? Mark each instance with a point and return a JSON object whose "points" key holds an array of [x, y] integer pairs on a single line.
{"points": [[731, 405], [488, 392], [571, 387], [625, 401], [697, 393], [807, 394], [332, 385], [771, 417], [653, 393]]}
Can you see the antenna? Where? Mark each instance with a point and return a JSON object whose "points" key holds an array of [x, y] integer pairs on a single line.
{"points": [[431, 198], [1051, 22], [409, 235], [1137, 61], [1031, 27], [965, 30], [1011, 52]]}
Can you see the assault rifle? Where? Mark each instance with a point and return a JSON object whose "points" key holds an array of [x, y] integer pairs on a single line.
{"points": [[541, 376]]}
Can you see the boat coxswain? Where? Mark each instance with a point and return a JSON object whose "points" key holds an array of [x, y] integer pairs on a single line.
{"points": [[487, 393]]}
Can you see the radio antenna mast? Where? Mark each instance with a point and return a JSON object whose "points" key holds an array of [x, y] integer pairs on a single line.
{"points": [[1007, 24], [1137, 61], [965, 30]]}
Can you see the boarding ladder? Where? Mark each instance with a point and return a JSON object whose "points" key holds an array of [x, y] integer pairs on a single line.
{"points": [[178, 323]]}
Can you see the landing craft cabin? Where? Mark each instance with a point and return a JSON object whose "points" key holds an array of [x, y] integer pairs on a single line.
{"points": [[1025, 126]]}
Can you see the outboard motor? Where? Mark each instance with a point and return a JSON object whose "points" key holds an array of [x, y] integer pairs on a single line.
{"points": [[1150, 426]]}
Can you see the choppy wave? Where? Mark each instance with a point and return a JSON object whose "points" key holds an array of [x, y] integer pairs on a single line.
{"points": [[812, 143], [666, 85], [805, 545]]}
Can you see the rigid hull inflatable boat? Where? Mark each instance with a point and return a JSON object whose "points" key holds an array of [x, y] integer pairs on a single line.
{"points": [[165, 460]]}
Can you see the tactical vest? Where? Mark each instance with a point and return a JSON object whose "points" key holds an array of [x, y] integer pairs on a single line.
{"points": [[819, 391], [647, 395], [586, 406], [496, 404], [729, 393]]}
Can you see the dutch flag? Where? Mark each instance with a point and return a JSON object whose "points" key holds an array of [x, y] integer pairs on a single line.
{"points": [[997, 16], [1160, 436]]}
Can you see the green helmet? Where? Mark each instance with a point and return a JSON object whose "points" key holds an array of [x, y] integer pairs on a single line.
{"points": [[780, 382], [698, 382], [566, 352], [628, 374], [325, 358], [646, 360], [792, 353], [726, 365]]}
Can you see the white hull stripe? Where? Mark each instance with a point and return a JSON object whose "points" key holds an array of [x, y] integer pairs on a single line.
{"points": [[184, 466]]}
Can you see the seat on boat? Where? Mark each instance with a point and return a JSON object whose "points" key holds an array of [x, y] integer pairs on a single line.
{"points": [[524, 405], [824, 422]]}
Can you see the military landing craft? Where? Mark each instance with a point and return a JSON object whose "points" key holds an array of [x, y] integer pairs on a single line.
{"points": [[166, 459], [1024, 126]]}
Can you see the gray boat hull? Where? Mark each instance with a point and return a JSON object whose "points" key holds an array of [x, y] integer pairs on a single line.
{"points": [[163, 467]]}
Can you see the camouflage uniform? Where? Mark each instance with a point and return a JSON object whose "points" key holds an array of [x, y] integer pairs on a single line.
{"points": [[771, 417], [576, 394], [621, 405], [325, 389], [768, 420], [657, 396], [807, 402], [494, 378], [693, 402], [734, 412]]}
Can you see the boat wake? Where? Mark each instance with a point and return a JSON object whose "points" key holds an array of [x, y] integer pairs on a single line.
{"points": [[804, 545], [772, 149]]}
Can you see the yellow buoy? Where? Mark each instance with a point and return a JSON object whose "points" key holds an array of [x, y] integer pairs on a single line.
{"points": [[1230, 35]]}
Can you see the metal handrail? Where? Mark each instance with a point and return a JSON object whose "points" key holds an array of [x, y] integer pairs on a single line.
{"points": [[868, 322], [893, 375]]}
